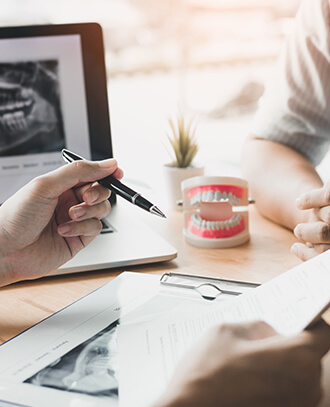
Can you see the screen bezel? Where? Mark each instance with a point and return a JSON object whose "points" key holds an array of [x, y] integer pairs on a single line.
{"points": [[92, 46]]}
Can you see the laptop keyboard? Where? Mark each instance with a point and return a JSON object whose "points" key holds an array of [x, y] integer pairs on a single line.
{"points": [[107, 227]]}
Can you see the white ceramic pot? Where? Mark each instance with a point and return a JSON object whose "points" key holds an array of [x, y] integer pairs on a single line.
{"points": [[173, 176]]}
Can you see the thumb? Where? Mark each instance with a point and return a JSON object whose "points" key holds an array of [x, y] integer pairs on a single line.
{"points": [[318, 337], [56, 182]]}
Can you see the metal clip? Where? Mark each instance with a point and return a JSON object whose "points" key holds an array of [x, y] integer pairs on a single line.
{"points": [[208, 287]]}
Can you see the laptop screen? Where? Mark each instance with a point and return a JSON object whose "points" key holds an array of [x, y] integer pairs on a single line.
{"points": [[52, 95]]}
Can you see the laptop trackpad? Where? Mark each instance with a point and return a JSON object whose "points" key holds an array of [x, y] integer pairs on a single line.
{"points": [[107, 227]]}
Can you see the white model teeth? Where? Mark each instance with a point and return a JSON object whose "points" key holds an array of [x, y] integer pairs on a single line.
{"points": [[211, 196], [217, 195], [216, 225]]}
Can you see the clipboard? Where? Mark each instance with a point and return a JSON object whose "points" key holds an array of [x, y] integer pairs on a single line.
{"points": [[129, 298]]}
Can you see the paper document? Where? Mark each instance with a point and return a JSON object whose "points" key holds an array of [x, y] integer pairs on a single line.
{"points": [[150, 352]]}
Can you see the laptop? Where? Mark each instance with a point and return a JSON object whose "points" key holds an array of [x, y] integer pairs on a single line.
{"points": [[53, 95]]}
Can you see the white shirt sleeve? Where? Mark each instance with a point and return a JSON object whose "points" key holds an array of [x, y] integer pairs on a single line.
{"points": [[295, 109]]}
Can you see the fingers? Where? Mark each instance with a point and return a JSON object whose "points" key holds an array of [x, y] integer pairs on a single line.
{"points": [[315, 232], [317, 337], [55, 183], [83, 211], [251, 331], [316, 236], [92, 194], [85, 219], [89, 227], [119, 173], [320, 248], [261, 330], [324, 214], [314, 199], [307, 251], [303, 252]]}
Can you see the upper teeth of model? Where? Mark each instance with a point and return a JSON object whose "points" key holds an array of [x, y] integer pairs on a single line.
{"points": [[217, 196], [216, 225]]}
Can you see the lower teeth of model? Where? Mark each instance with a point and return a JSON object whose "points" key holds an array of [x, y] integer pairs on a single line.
{"points": [[216, 225], [217, 196]]}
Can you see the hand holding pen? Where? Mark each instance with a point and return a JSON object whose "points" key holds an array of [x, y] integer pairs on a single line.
{"points": [[50, 219], [118, 187]]}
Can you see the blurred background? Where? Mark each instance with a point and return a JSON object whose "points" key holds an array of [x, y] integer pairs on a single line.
{"points": [[208, 58]]}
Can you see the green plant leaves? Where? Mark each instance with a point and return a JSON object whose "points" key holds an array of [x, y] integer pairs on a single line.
{"points": [[183, 142]]}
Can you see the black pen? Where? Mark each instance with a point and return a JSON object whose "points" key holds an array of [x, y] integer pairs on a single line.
{"points": [[117, 187]]}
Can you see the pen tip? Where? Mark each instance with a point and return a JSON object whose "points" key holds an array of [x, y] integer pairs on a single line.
{"points": [[157, 211]]}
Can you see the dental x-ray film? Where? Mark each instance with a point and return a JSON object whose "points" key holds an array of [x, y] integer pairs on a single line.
{"points": [[42, 105], [30, 108]]}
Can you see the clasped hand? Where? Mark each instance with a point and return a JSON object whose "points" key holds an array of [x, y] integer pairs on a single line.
{"points": [[250, 365], [314, 234], [52, 218]]}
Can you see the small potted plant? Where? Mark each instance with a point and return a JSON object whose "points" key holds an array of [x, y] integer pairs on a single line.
{"points": [[184, 149]]}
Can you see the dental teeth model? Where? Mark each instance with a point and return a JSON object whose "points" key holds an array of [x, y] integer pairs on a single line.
{"points": [[215, 211]]}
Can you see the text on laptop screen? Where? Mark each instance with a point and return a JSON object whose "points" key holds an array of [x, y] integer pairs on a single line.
{"points": [[42, 107]]}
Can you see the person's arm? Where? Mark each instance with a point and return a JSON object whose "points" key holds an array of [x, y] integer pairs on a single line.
{"points": [[288, 190], [277, 176], [52, 218], [249, 365], [290, 133]]}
